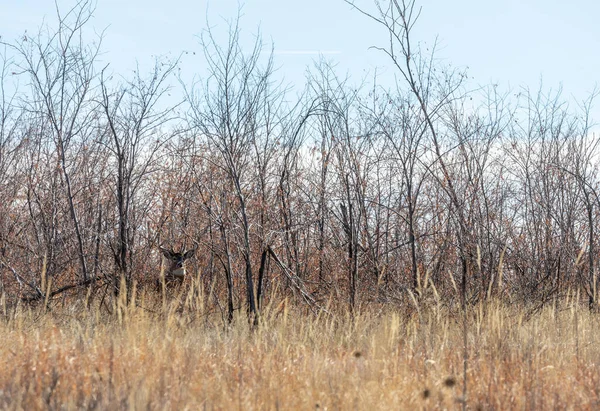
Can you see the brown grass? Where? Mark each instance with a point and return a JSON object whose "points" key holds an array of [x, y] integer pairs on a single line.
{"points": [[77, 358]]}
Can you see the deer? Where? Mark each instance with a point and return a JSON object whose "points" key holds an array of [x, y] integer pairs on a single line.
{"points": [[176, 268]]}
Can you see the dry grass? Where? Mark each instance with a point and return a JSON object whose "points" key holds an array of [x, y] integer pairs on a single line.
{"points": [[387, 360]]}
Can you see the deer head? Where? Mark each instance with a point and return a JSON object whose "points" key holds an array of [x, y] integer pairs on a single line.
{"points": [[176, 270]]}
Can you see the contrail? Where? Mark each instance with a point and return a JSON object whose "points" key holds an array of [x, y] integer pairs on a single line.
{"points": [[308, 52]]}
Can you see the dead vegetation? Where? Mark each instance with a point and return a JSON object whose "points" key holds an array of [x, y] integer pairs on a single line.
{"points": [[425, 244], [73, 358]]}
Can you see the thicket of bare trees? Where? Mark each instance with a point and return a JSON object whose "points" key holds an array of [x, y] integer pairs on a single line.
{"points": [[361, 195]]}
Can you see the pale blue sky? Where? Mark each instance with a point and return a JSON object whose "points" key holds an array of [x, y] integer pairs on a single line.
{"points": [[512, 42]]}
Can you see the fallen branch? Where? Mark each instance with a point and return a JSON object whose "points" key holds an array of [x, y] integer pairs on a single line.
{"points": [[22, 281], [63, 289], [296, 282]]}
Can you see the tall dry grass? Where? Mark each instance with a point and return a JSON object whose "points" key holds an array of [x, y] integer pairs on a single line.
{"points": [[382, 359]]}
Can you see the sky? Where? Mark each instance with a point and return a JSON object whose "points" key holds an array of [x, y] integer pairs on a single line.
{"points": [[513, 43]]}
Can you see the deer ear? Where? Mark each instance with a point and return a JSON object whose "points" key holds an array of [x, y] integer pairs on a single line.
{"points": [[189, 253], [167, 253]]}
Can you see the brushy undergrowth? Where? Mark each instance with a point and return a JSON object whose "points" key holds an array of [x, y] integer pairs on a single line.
{"points": [[73, 358]]}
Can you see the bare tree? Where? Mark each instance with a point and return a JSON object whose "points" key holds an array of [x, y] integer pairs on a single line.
{"points": [[229, 114], [433, 92], [60, 70], [135, 115]]}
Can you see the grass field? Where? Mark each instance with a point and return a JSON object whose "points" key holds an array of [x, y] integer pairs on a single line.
{"points": [[383, 359]]}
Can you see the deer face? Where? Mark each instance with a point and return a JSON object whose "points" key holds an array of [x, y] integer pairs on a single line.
{"points": [[176, 269]]}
